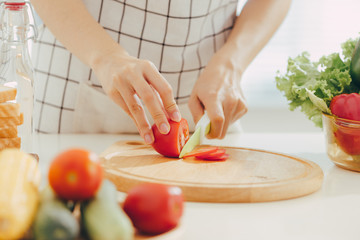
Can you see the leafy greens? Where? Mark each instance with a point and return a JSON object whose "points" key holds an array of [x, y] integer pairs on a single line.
{"points": [[325, 78]]}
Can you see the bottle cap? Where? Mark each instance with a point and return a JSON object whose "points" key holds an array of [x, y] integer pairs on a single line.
{"points": [[14, 5]]}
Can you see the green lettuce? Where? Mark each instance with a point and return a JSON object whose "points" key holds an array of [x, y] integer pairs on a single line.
{"points": [[306, 81]]}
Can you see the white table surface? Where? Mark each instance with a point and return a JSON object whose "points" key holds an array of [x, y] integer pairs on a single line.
{"points": [[333, 212]]}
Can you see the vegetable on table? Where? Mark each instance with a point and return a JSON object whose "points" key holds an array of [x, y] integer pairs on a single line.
{"points": [[154, 208], [54, 220], [103, 218], [19, 195], [170, 144], [75, 174], [330, 85], [347, 106], [325, 79]]}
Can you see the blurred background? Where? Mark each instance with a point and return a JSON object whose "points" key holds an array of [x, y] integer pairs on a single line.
{"points": [[318, 27]]}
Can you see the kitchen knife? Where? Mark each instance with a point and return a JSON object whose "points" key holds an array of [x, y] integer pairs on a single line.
{"points": [[201, 129]]}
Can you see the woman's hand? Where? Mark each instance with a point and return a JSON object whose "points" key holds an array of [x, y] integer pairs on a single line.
{"points": [[218, 92], [218, 87], [127, 81]]}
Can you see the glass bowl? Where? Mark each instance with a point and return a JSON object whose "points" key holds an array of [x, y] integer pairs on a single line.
{"points": [[342, 141]]}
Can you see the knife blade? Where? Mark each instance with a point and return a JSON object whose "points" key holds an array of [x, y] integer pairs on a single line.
{"points": [[201, 129]]}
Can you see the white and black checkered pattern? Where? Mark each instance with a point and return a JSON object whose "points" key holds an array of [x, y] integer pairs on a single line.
{"points": [[178, 36]]}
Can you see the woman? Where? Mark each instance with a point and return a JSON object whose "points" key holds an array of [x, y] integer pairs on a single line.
{"points": [[157, 60]]}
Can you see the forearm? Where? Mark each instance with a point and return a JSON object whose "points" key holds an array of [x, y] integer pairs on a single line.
{"points": [[76, 29], [253, 28]]}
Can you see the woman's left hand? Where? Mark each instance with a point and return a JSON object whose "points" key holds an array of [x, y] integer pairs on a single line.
{"points": [[218, 91]]}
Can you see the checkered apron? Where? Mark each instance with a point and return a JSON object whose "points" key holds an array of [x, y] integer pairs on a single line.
{"points": [[178, 36]]}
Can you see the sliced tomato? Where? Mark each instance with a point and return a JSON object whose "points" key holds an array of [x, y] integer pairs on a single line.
{"points": [[201, 151], [208, 153], [218, 158], [218, 153]]}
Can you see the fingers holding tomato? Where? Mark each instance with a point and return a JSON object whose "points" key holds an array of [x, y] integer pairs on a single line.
{"points": [[170, 144], [75, 174]]}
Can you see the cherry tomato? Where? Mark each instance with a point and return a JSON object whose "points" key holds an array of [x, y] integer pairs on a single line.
{"points": [[170, 144], [75, 174], [154, 208], [201, 151]]}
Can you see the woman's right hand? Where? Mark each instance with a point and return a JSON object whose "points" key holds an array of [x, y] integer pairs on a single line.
{"points": [[128, 80]]}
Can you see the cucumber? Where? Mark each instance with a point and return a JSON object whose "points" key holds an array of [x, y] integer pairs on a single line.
{"points": [[355, 65], [54, 220], [103, 218]]}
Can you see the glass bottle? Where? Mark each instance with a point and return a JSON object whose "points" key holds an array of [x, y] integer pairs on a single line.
{"points": [[16, 68]]}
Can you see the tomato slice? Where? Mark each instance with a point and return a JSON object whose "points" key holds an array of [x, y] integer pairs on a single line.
{"points": [[214, 155], [201, 151], [218, 155], [218, 158]]}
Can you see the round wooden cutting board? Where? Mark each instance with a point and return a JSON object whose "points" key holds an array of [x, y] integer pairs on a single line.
{"points": [[249, 175]]}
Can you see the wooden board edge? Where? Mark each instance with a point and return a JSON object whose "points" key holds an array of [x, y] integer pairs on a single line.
{"points": [[246, 195]]}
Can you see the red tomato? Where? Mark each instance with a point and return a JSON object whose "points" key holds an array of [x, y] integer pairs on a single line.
{"points": [[75, 174], [154, 208], [170, 144], [347, 106], [201, 151]]}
